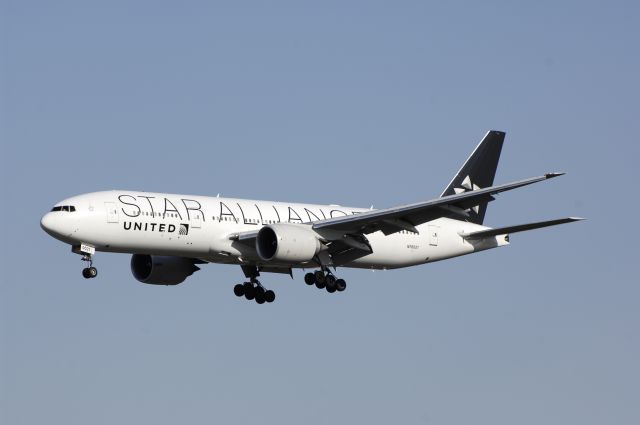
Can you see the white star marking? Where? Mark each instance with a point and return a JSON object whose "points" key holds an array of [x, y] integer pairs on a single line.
{"points": [[467, 185]]}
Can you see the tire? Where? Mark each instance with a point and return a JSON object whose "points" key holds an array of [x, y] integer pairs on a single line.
{"points": [[341, 285], [93, 272], [85, 273], [320, 276], [269, 296], [331, 284], [238, 290], [309, 278], [249, 294], [320, 285], [260, 299]]}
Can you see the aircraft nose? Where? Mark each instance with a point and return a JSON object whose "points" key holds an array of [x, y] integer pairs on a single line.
{"points": [[47, 222], [52, 223]]}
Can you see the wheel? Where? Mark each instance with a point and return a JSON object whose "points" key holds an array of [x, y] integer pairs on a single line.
{"points": [[259, 291], [85, 273], [238, 290], [331, 284], [341, 285], [320, 285], [93, 272], [260, 298], [309, 278], [320, 277], [269, 296], [249, 293]]}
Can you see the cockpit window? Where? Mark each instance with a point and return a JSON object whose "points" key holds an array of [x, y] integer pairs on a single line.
{"points": [[68, 208]]}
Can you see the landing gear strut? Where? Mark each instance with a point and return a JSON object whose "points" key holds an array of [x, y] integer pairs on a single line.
{"points": [[324, 279], [89, 272]]}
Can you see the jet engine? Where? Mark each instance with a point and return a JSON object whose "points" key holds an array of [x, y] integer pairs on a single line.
{"points": [[287, 242], [161, 270]]}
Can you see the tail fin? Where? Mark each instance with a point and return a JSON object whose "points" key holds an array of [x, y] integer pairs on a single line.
{"points": [[478, 172]]}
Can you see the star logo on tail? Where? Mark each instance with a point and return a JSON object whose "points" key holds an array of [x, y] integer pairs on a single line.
{"points": [[466, 186]]}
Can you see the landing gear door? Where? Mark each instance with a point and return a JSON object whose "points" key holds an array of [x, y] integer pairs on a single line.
{"points": [[112, 212], [433, 235]]}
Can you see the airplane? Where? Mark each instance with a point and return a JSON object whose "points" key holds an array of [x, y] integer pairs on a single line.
{"points": [[170, 235]]}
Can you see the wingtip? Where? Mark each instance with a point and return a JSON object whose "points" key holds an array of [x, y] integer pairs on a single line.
{"points": [[552, 175], [577, 218]]}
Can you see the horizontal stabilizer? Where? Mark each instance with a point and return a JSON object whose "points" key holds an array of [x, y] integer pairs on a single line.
{"points": [[519, 228]]}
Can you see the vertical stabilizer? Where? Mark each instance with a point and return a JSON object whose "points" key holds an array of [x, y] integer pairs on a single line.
{"points": [[478, 172]]}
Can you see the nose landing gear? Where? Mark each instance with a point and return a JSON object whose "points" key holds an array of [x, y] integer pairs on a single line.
{"points": [[86, 251], [89, 272]]}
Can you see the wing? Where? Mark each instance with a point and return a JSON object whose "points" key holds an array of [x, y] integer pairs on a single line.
{"points": [[345, 236], [406, 217]]}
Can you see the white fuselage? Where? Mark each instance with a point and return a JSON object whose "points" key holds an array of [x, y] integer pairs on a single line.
{"points": [[200, 227]]}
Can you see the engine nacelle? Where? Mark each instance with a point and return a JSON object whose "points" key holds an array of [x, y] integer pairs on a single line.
{"points": [[161, 270], [287, 242]]}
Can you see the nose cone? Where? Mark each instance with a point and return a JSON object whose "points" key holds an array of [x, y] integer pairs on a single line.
{"points": [[54, 224], [48, 223]]}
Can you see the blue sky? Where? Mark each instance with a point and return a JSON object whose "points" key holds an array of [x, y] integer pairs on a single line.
{"points": [[355, 103]]}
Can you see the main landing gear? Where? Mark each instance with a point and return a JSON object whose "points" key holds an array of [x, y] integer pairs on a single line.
{"points": [[89, 272], [253, 290], [324, 279]]}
